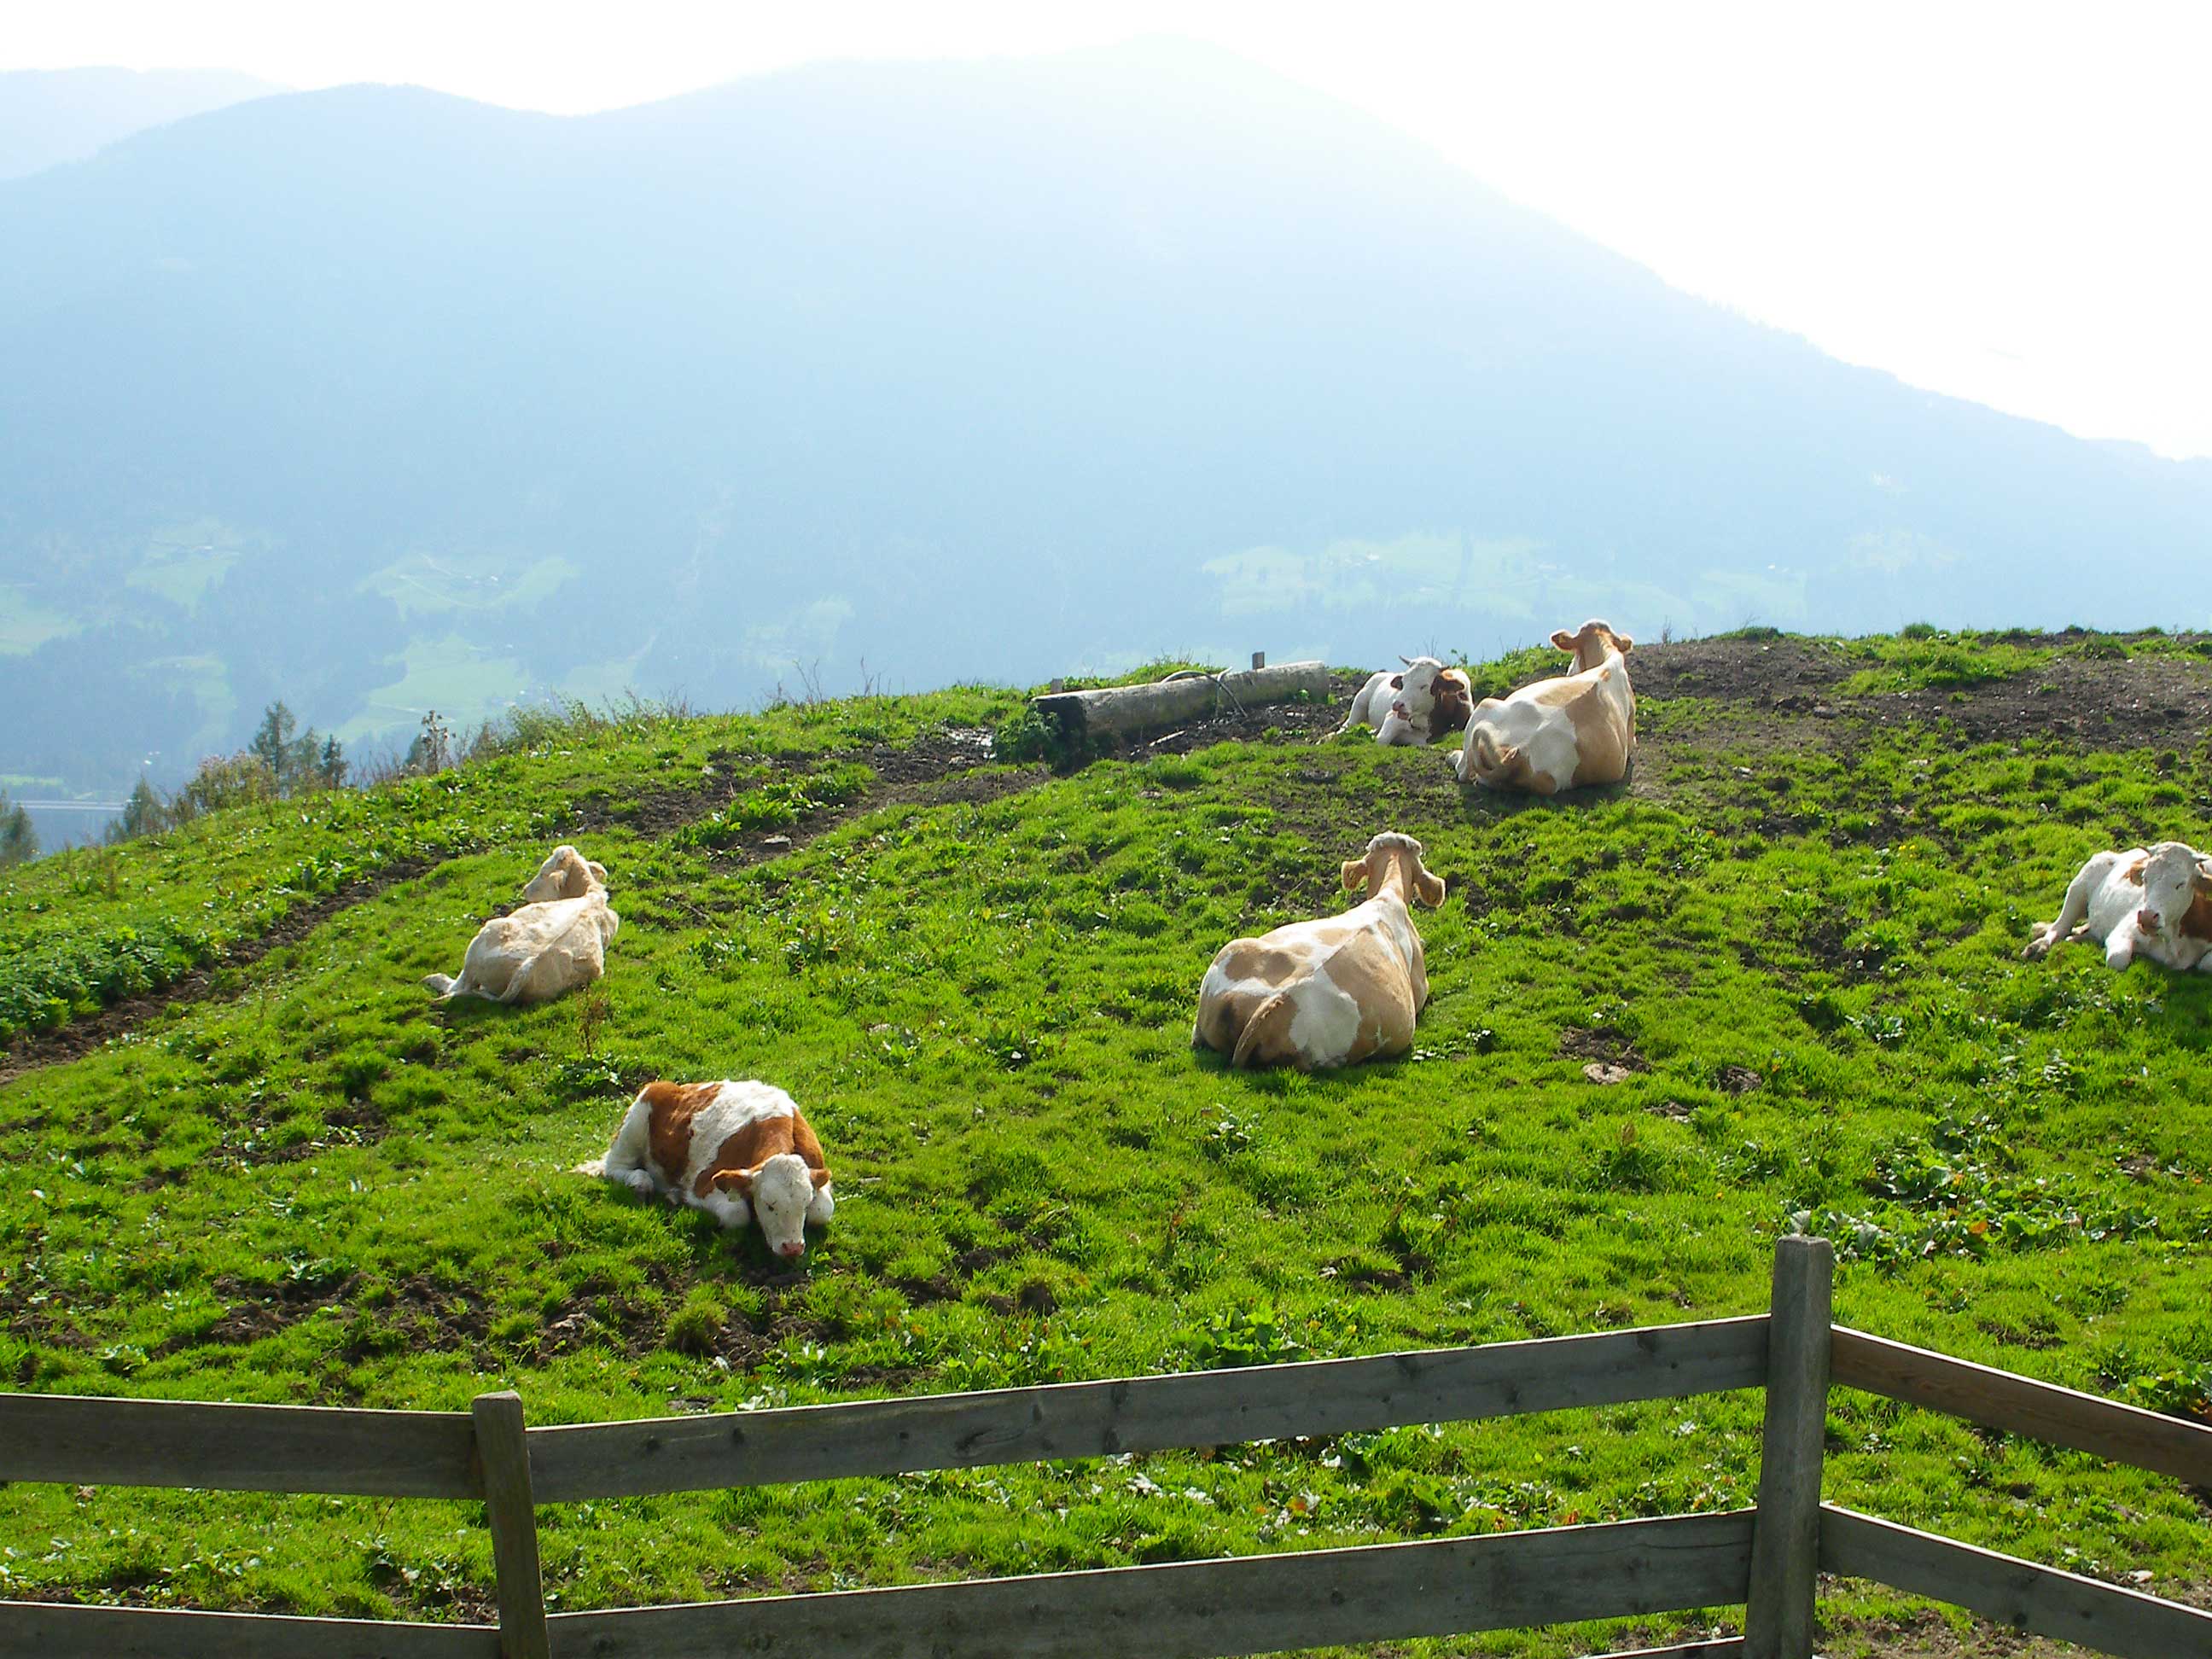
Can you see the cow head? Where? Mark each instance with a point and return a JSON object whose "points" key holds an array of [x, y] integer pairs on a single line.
{"points": [[1414, 692], [1394, 861], [780, 1189], [565, 873], [2174, 878], [1591, 643]]}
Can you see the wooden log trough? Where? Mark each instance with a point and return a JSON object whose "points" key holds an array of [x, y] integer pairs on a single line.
{"points": [[1112, 716]]}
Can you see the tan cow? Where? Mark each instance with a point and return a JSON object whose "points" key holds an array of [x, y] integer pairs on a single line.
{"points": [[1558, 733], [1332, 991], [741, 1152], [535, 955]]}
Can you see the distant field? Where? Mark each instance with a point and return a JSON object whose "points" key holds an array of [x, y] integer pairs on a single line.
{"points": [[1794, 930]]}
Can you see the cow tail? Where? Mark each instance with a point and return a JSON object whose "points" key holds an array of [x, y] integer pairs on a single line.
{"points": [[1271, 1018], [1489, 760]]}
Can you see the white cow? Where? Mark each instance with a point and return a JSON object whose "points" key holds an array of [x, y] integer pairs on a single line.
{"points": [[1417, 706], [1558, 733], [1332, 991], [2153, 902], [740, 1151], [537, 954], [565, 873]]}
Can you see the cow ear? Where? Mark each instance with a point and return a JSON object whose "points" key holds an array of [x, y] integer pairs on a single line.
{"points": [[1429, 888], [821, 1179], [1397, 681], [739, 1181], [1355, 874], [1626, 644], [1564, 640]]}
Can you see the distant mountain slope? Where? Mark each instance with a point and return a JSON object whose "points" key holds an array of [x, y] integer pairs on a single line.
{"points": [[50, 116], [379, 400]]}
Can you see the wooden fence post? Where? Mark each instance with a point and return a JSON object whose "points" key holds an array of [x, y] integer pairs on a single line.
{"points": [[1785, 1540], [503, 1456]]}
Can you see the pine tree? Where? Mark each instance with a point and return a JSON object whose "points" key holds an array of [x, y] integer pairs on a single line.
{"points": [[331, 767], [143, 814], [272, 745], [19, 842]]}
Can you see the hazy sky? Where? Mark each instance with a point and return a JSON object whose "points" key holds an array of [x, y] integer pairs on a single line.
{"points": [[2006, 202]]}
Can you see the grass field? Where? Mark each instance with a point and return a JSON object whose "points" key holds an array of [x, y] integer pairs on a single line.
{"points": [[1795, 932]]}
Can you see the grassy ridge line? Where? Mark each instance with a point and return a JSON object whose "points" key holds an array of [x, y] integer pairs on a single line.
{"points": [[86, 929], [319, 1192]]}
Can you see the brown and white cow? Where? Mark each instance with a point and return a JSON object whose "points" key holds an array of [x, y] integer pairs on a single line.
{"points": [[1332, 991], [565, 873], [1560, 733], [741, 1152], [2154, 901], [1417, 705]]}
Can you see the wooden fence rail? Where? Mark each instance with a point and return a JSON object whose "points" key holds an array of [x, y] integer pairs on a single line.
{"points": [[1764, 1559], [1147, 1413]]}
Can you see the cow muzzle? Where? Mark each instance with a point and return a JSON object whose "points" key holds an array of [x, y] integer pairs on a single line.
{"points": [[797, 1248], [2148, 921]]}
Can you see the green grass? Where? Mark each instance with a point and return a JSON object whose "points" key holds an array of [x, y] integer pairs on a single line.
{"points": [[311, 1189], [85, 928]]}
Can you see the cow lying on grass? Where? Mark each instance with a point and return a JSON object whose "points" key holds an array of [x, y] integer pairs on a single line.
{"points": [[1417, 706], [2152, 901], [540, 953], [1558, 733], [555, 942], [741, 1152], [1333, 992], [565, 873]]}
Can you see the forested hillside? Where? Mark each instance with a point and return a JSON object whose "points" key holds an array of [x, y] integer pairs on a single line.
{"points": [[1771, 982], [377, 401]]}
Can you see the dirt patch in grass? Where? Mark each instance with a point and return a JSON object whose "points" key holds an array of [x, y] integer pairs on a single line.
{"points": [[2136, 702], [1602, 1046]]}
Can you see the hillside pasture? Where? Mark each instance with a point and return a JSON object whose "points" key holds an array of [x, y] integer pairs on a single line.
{"points": [[1789, 939]]}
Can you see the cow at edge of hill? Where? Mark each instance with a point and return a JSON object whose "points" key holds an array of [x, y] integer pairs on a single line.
{"points": [[741, 1152], [1332, 991], [1415, 706], [2154, 901], [540, 952], [1560, 733], [565, 873]]}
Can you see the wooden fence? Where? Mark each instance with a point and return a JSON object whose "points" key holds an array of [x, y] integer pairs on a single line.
{"points": [[1765, 1559]]}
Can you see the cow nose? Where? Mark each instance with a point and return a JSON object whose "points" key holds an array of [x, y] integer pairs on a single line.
{"points": [[799, 1249], [2148, 920]]}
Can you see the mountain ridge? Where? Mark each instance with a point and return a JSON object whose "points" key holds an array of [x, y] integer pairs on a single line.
{"points": [[1016, 367]]}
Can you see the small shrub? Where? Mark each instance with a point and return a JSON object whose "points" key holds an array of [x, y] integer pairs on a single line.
{"points": [[1246, 1336], [695, 1327]]}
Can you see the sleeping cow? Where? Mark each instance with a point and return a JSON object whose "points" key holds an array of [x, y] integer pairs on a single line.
{"points": [[741, 1152], [1417, 706], [537, 954], [1558, 733], [565, 873], [1332, 991], [2150, 901]]}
